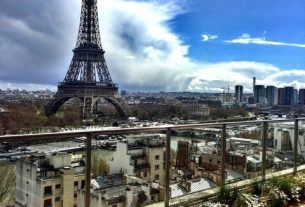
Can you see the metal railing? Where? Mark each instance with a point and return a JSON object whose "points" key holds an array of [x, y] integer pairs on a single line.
{"points": [[167, 129]]}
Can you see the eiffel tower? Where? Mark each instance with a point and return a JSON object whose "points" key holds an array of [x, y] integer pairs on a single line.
{"points": [[88, 77]]}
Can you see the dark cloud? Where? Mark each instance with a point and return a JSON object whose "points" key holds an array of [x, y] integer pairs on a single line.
{"points": [[35, 39]]}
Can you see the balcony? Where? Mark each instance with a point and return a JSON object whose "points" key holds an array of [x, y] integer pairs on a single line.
{"points": [[267, 154]]}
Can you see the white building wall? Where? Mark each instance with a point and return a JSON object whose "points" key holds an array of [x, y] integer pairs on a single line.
{"points": [[279, 130], [27, 191], [30, 184], [121, 161]]}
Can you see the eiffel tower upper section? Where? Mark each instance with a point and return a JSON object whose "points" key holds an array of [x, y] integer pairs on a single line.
{"points": [[88, 77], [88, 64]]}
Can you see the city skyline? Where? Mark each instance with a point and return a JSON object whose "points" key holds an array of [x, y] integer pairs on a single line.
{"points": [[171, 46]]}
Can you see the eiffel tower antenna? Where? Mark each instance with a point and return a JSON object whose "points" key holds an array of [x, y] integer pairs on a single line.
{"points": [[88, 77]]}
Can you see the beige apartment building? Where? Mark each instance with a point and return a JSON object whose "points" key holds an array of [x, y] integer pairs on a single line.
{"points": [[141, 156], [49, 180]]}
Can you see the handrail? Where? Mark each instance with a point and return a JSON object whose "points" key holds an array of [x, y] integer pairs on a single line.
{"points": [[89, 133], [71, 134]]}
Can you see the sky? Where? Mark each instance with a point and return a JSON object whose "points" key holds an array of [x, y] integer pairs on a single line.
{"points": [[158, 45]]}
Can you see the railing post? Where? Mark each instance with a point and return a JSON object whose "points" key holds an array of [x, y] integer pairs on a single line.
{"points": [[167, 165], [264, 149], [296, 137], [223, 155], [88, 171]]}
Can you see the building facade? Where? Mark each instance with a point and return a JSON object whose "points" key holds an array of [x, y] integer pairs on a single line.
{"points": [[239, 93], [49, 180], [272, 95], [120, 191], [260, 94], [281, 96], [141, 156], [289, 94], [302, 96]]}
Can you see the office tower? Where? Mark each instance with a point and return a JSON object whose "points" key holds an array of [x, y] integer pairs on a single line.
{"points": [[260, 94], [272, 95], [239, 93], [295, 97], [288, 95], [251, 100], [281, 96], [254, 83], [302, 96]]}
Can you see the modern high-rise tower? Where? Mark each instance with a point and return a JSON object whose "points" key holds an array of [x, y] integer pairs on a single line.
{"points": [[260, 94], [272, 95], [302, 96], [239, 93], [254, 83], [88, 77], [289, 95]]}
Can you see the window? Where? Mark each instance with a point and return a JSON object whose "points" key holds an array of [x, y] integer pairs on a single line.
{"points": [[47, 203], [48, 190], [210, 160], [57, 199], [75, 195], [156, 177], [157, 157], [83, 183], [157, 167], [145, 174], [114, 205], [152, 198], [75, 183], [44, 174], [57, 186]]}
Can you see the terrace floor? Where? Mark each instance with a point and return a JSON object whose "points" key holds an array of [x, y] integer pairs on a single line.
{"points": [[202, 196]]}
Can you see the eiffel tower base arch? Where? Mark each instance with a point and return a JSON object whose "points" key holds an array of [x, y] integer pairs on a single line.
{"points": [[89, 97]]}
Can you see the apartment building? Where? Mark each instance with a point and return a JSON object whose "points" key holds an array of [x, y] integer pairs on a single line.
{"points": [[118, 190], [141, 156], [282, 137], [49, 180]]}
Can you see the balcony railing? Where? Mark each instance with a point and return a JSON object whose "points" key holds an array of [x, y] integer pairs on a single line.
{"points": [[167, 129]]}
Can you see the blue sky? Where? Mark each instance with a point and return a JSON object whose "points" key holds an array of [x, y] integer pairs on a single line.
{"points": [[172, 45], [273, 20]]}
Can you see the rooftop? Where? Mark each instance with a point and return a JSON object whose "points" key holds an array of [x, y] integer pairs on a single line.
{"points": [[203, 184], [103, 182]]}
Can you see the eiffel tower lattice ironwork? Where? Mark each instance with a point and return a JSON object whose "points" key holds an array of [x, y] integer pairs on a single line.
{"points": [[88, 77]]}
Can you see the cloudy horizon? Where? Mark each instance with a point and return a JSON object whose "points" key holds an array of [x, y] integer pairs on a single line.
{"points": [[156, 45]]}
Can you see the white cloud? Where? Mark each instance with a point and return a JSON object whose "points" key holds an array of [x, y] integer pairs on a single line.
{"points": [[247, 39], [142, 52], [207, 37], [129, 57]]}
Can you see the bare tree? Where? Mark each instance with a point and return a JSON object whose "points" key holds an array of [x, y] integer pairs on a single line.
{"points": [[7, 184], [99, 166]]}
